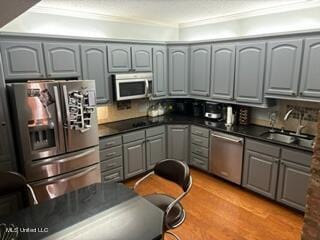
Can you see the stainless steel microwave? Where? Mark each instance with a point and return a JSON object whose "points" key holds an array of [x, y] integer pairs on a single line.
{"points": [[128, 86]]}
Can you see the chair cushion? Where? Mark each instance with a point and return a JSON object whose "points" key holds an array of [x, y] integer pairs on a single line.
{"points": [[162, 201]]}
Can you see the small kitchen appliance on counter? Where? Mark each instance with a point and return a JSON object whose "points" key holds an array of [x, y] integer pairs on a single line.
{"points": [[213, 111]]}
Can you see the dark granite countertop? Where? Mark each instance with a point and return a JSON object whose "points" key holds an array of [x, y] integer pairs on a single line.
{"points": [[251, 131], [99, 211]]}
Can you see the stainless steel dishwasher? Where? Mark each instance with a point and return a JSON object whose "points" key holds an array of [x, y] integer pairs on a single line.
{"points": [[226, 153]]}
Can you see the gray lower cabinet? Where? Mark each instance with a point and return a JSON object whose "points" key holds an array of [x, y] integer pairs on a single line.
{"points": [[113, 175], [249, 75], [134, 158], [179, 71], [22, 60], [293, 184], [222, 71], [94, 66], [310, 83], [260, 173], [200, 70], [155, 150], [141, 58], [111, 159], [283, 67], [178, 142], [277, 172], [62, 60], [160, 71], [294, 176], [199, 150]]}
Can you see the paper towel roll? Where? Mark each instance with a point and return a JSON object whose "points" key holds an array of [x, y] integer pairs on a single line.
{"points": [[229, 115]]}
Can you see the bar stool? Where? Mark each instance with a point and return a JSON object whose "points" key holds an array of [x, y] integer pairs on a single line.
{"points": [[177, 172]]}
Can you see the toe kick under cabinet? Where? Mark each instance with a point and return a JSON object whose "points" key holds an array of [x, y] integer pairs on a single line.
{"points": [[277, 172]]}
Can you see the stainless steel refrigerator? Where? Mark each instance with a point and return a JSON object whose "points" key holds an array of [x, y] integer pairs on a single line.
{"points": [[56, 134]]}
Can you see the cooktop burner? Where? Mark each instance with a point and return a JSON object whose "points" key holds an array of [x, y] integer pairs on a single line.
{"points": [[139, 124]]}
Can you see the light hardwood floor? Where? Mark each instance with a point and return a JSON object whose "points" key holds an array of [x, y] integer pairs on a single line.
{"points": [[218, 210]]}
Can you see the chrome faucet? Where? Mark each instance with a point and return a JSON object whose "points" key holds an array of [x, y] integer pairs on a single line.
{"points": [[288, 114], [300, 126]]}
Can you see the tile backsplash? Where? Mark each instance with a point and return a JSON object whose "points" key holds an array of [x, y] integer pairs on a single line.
{"points": [[122, 110], [310, 110]]}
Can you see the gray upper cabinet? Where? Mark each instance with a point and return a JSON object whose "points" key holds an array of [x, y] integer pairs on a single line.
{"points": [[160, 71], [119, 57], [310, 82], [283, 67], [293, 184], [200, 70], [178, 70], [250, 65], [141, 58], [125, 58], [156, 150], [260, 173], [62, 60], [22, 60], [178, 142], [134, 158], [222, 71], [94, 67]]}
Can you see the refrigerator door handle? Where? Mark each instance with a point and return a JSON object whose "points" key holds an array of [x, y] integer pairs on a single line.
{"points": [[66, 159], [59, 118], [66, 105], [67, 177]]}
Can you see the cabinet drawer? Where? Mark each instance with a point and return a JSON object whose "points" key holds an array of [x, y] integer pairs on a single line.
{"points": [[202, 132], [199, 162], [204, 142], [110, 142], [202, 151], [264, 148], [111, 163], [296, 156], [114, 175], [110, 153], [155, 131], [133, 136]]}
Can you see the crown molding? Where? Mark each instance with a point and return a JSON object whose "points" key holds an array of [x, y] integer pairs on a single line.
{"points": [[242, 15], [95, 16]]}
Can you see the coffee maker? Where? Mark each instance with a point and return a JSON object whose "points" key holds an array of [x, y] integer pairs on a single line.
{"points": [[213, 111]]}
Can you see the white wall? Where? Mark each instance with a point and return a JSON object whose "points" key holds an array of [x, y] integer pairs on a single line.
{"points": [[304, 19], [36, 22], [31, 22]]}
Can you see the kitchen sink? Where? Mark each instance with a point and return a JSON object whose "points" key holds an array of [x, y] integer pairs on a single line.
{"points": [[303, 142], [289, 138], [279, 137]]}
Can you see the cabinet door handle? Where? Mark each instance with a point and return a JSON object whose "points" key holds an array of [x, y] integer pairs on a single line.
{"points": [[111, 177], [112, 165], [109, 143], [111, 154]]}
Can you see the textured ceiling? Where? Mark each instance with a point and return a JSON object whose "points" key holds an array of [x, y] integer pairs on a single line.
{"points": [[166, 11]]}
